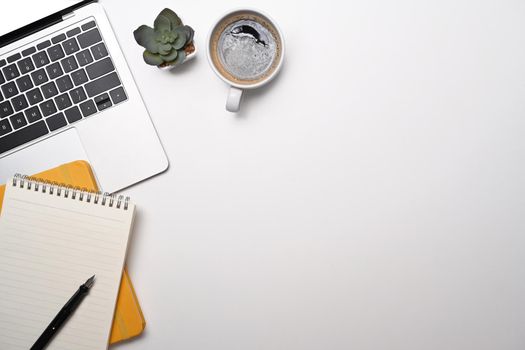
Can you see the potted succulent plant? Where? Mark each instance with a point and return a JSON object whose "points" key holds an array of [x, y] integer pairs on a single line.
{"points": [[169, 43]]}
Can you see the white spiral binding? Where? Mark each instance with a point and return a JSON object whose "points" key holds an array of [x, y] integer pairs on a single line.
{"points": [[75, 193]]}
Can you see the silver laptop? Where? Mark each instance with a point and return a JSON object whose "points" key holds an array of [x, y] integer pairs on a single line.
{"points": [[66, 93]]}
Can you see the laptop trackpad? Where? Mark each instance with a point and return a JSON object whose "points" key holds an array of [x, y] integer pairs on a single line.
{"points": [[54, 151]]}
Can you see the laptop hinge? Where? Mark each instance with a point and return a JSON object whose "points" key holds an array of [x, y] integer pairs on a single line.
{"points": [[68, 16]]}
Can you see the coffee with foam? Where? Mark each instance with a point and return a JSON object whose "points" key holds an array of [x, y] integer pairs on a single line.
{"points": [[245, 47]]}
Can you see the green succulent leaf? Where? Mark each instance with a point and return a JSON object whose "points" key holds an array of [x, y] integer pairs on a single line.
{"points": [[171, 36], [189, 33], [165, 49], [145, 37], [171, 56], [165, 37], [181, 55], [172, 17], [152, 59], [180, 42], [162, 24]]}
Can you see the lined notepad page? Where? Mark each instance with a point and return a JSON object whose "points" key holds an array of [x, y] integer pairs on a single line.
{"points": [[49, 246]]}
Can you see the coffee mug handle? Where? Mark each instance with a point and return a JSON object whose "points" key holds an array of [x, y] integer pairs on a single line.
{"points": [[233, 103]]}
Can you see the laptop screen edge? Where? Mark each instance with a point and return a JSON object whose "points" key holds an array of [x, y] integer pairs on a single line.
{"points": [[40, 24]]}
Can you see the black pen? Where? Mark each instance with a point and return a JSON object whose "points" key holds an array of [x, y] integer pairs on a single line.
{"points": [[63, 315]]}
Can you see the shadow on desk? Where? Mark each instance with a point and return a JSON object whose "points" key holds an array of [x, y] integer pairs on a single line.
{"points": [[250, 96]]}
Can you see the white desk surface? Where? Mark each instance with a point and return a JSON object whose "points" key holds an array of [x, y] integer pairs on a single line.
{"points": [[371, 198]]}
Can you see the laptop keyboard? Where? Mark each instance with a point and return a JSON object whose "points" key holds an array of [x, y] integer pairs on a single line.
{"points": [[57, 82]]}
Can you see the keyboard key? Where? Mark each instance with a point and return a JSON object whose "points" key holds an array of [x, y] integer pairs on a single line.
{"points": [[70, 46], [89, 38], [63, 101], [88, 108], [72, 32], [33, 114], [102, 102], [24, 83], [2, 80], [3, 63], [100, 68], [29, 51], [55, 52], [48, 107], [23, 136], [11, 72], [79, 77], [1, 97], [43, 45], [49, 90], [58, 38], [69, 64], [64, 83], [88, 25], [18, 120], [40, 59], [13, 58], [26, 65], [34, 96], [54, 70], [56, 122], [73, 114], [19, 103], [99, 51], [84, 57], [9, 90], [39, 77], [5, 109], [77, 95], [107, 82], [5, 127], [118, 95], [101, 98]]}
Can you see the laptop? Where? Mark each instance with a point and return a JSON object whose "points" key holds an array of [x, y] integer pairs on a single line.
{"points": [[66, 93]]}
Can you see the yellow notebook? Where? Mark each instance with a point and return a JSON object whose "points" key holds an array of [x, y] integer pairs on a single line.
{"points": [[128, 320]]}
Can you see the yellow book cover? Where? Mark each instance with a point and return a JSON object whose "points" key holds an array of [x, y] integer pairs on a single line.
{"points": [[128, 320]]}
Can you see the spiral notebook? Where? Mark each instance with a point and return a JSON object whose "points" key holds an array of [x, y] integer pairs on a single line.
{"points": [[53, 238]]}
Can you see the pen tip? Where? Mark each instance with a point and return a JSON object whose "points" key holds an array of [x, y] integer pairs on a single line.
{"points": [[90, 281]]}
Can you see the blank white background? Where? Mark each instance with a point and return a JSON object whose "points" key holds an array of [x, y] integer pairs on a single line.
{"points": [[372, 197]]}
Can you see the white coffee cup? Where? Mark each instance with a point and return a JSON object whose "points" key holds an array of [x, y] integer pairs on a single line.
{"points": [[237, 86]]}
